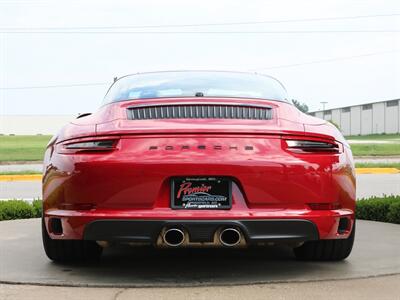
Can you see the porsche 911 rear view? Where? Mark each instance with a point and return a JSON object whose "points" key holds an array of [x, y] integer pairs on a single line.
{"points": [[198, 159]]}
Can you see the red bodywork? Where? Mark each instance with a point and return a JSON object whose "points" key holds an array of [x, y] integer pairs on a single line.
{"points": [[132, 181]]}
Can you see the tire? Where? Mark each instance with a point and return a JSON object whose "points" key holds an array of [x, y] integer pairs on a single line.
{"points": [[326, 250], [70, 250]]}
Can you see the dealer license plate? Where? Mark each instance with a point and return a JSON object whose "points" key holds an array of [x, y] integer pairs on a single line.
{"points": [[201, 193]]}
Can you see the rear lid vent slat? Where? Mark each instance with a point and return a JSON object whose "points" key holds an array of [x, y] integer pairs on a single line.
{"points": [[199, 111]]}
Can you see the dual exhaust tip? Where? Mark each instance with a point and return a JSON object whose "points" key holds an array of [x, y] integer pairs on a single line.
{"points": [[228, 237], [174, 237]]}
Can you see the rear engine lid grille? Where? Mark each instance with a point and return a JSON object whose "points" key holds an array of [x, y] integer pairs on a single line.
{"points": [[200, 111]]}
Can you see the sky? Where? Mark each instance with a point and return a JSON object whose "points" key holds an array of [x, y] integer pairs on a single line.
{"points": [[61, 43]]}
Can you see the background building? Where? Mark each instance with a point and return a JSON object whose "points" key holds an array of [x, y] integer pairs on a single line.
{"points": [[370, 118]]}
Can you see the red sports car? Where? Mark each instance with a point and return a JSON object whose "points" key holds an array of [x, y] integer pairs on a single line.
{"points": [[198, 159]]}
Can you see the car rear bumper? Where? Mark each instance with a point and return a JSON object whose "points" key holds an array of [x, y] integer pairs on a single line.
{"points": [[255, 231], [257, 225]]}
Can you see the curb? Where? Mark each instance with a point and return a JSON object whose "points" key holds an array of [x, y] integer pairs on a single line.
{"points": [[30, 177], [377, 171]]}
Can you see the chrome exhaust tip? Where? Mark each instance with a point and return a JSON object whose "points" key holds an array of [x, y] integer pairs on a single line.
{"points": [[230, 237], [173, 237]]}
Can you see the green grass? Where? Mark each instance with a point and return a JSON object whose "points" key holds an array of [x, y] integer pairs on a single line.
{"points": [[23, 147], [392, 147], [378, 165], [375, 149], [31, 147], [27, 172]]}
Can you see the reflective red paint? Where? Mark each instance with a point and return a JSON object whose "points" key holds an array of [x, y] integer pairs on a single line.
{"points": [[132, 180]]}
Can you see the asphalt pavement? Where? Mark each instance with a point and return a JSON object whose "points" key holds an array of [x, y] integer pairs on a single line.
{"points": [[382, 288], [21, 167], [367, 185], [28, 190], [377, 159], [23, 261], [377, 185]]}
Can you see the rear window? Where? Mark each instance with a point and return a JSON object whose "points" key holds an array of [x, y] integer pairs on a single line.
{"points": [[199, 83]]}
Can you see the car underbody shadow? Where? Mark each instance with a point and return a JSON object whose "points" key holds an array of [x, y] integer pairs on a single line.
{"points": [[147, 266]]}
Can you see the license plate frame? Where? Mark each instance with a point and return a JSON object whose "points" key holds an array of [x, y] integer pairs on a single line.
{"points": [[201, 192]]}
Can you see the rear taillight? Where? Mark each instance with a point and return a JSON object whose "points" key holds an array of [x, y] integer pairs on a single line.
{"points": [[92, 145], [100, 144], [312, 146]]}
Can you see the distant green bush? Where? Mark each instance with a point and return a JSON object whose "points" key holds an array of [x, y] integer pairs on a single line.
{"points": [[37, 208], [394, 213], [19, 209], [381, 209]]}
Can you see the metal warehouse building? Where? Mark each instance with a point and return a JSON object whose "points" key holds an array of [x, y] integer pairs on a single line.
{"points": [[370, 118]]}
